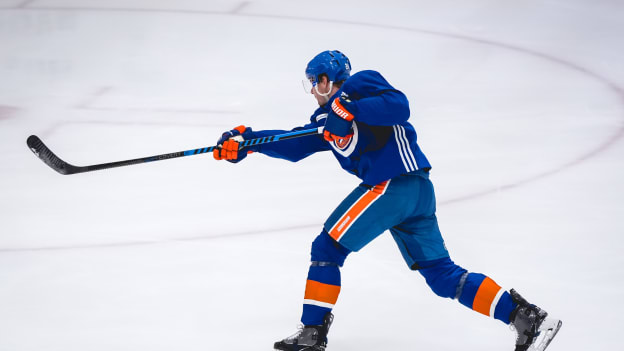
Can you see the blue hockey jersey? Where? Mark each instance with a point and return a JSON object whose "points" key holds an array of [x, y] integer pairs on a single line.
{"points": [[383, 144]]}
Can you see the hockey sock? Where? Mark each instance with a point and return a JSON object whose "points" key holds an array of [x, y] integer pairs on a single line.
{"points": [[482, 294], [321, 293], [323, 283], [474, 290]]}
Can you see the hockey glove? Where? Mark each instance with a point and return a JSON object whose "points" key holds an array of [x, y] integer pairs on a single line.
{"points": [[339, 120], [228, 145]]}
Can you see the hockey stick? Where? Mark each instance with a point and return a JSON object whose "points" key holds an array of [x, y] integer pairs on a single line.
{"points": [[46, 155]]}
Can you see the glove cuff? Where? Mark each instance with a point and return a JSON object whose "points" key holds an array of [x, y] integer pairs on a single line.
{"points": [[240, 129], [339, 109]]}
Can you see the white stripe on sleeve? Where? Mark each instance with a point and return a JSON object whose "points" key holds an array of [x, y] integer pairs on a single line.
{"points": [[403, 145], [408, 150]]}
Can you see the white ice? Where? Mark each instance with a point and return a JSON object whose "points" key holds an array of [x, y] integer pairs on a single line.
{"points": [[519, 105]]}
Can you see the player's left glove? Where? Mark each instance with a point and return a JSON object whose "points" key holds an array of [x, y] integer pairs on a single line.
{"points": [[228, 144], [339, 120]]}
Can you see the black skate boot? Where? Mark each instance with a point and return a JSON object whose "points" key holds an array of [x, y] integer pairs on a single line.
{"points": [[535, 331], [308, 338]]}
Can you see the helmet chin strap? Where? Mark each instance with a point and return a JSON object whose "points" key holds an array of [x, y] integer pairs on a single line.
{"points": [[331, 85]]}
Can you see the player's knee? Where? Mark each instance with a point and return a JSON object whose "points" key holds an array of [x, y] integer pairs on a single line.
{"points": [[326, 250], [443, 276]]}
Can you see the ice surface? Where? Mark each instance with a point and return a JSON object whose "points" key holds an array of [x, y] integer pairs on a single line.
{"points": [[519, 105]]}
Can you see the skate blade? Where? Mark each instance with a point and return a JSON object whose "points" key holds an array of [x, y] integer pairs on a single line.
{"points": [[548, 330]]}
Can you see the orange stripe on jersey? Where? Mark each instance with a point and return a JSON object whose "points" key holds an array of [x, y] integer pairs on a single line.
{"points": [[321, 292], [345, 222], [485, 296]]}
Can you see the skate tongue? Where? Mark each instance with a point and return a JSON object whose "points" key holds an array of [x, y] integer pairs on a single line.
{"points": [[300, 328]]}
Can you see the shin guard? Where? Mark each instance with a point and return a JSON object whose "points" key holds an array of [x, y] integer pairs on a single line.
{"points": [[323, 283]]}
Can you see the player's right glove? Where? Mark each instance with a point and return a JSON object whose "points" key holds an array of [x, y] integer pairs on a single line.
{"points": [[339, 120], [228, 145]]}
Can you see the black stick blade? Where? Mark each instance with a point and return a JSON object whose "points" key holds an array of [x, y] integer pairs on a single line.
{"points": [[46, 155]]}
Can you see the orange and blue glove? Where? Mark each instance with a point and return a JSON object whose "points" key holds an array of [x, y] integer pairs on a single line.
{"points": [[339, 120], [228, 145]]}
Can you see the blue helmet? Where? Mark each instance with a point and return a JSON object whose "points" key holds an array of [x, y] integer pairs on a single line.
{"points": [[333, 63]]}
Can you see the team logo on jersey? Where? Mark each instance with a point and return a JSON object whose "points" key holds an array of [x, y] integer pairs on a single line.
{"points": [[343, 143], [345, 146]]}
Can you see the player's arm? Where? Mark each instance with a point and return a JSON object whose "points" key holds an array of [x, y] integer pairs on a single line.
{"points": [[389, 108], [290, 149], [374, 101], [367, 97], [293, 149]]}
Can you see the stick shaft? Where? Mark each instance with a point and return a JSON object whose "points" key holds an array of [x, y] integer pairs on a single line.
{"points": [[46, 155]]}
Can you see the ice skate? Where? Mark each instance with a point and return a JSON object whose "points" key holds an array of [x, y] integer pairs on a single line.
{"points": [[308, 337], [535, 330]]}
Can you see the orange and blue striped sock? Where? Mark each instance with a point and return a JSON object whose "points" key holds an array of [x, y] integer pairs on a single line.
{"points": [[321, 293], [483, 295]]}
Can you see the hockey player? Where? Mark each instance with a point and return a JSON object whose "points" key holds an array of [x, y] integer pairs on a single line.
{"points": [[366, 127]]}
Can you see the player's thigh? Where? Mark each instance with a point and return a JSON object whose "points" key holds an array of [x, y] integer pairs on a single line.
{"points": [[364, 215], [419, 239]]}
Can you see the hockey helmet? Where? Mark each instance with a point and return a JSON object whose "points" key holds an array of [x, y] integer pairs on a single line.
{"points": [[333, 63]]}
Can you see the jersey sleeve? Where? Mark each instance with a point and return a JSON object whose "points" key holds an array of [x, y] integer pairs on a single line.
{"points": [[375, 101], [292, 149]]}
